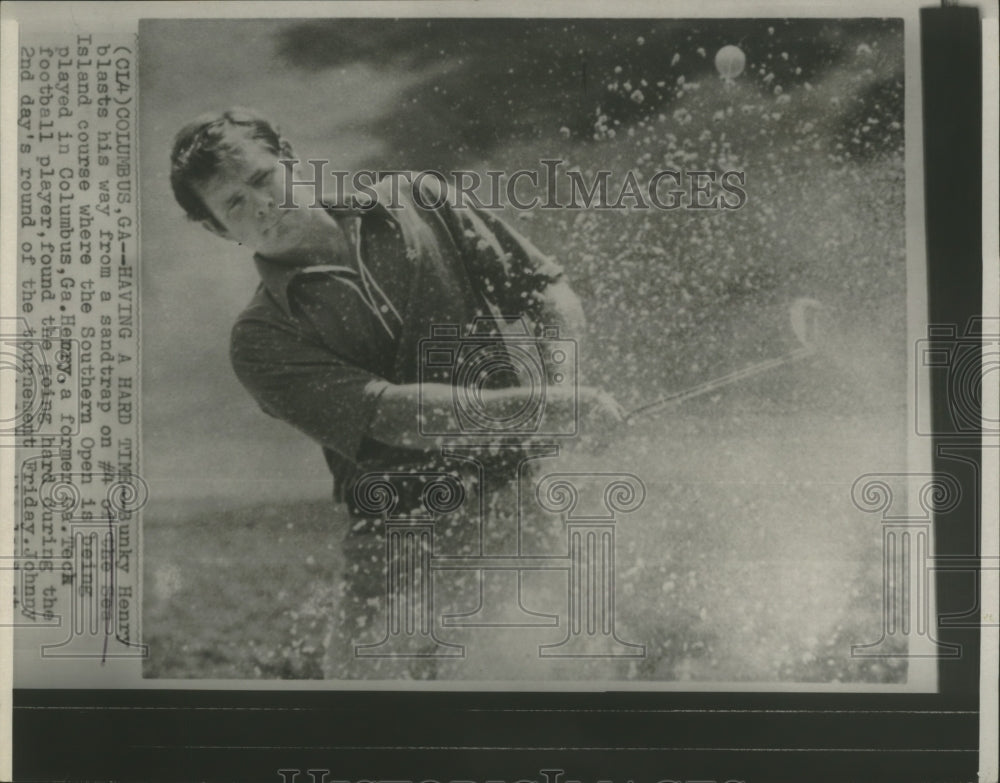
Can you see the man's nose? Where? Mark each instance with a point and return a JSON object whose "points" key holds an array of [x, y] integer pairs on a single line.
{"points": [[265, 205]]}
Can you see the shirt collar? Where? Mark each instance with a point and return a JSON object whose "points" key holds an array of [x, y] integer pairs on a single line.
{"points": [[276, 277]]}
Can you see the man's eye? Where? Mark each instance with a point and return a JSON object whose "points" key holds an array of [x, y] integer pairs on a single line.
{"points": [[235, 202]]}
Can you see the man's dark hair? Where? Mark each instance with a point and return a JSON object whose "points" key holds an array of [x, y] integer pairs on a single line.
{"points": [[202, 145]]}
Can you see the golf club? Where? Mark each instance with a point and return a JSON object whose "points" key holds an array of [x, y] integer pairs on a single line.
{"points": [[804, 313]]}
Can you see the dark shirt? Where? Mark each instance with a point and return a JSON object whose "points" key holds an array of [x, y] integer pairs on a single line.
{"points": [[317, 345]]}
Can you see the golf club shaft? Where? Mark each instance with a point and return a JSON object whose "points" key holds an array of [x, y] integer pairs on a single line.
{"points": [[718, 383]]}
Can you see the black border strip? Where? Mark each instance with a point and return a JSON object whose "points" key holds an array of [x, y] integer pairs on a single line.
{"points": [[249, 736], [951, 62]]}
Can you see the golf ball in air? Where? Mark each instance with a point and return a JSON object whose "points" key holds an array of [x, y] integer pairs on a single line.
{"points": [[729, 61]]}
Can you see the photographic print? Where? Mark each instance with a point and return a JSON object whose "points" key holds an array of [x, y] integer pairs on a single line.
{"points": [[493, 391], [560, 352]]}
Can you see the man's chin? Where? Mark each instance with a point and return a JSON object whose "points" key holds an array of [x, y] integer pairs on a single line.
{"points": [[279, 248]]}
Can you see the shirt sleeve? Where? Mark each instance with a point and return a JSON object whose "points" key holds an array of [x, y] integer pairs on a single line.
{"points": [[504, 266], [301, 382]]}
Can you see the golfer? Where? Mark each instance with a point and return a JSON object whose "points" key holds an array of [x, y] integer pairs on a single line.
{"points": [[331, 341]]}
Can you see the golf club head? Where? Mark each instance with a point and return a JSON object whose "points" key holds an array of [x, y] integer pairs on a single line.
{"points": [[808, 316]]}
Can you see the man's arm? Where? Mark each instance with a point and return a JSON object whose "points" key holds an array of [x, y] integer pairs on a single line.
{"points": [[510, 271], [300, 381], [503, 265], [336, 404], [405, 411]]}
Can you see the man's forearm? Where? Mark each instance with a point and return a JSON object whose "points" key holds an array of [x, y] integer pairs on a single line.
{"points": [[406, 411]]}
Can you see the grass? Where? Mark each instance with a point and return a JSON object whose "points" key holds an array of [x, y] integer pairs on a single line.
{"points": [[222, 590]]}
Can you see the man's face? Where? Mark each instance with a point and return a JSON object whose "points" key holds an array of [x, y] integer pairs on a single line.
{"points": [[244, 194]]}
